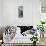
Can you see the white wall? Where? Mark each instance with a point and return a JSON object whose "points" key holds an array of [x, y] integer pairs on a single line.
{"points": [[31, 11], [36, 12], [1, 17]]}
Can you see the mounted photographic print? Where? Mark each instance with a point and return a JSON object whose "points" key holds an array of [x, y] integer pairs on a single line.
{"points": [[20, 11]]}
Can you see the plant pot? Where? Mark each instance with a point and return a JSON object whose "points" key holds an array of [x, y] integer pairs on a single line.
{"points": [[42, 34], [34, 43]]}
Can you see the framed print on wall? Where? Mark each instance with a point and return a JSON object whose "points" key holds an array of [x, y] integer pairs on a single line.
{"points": [[20, 11]]}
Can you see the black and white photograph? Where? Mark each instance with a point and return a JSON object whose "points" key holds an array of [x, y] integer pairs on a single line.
{"points": [[20, 11]]}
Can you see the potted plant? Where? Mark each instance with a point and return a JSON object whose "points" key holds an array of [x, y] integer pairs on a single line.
{"points": [[34, 39], [41, 27]]}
